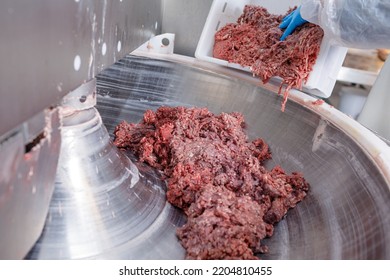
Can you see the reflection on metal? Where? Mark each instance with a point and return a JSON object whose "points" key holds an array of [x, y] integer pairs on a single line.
{"points": [[27, 176], [103, 206], [50, 47], [346, 214]]}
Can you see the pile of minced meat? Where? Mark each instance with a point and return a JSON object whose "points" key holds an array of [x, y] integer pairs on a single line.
{"points": [[216, 175], [254, 41]]}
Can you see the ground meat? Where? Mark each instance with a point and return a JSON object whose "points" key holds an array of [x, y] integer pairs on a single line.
{"points": [[318, 102], [215, 174], [254, 41], [222, 225]]}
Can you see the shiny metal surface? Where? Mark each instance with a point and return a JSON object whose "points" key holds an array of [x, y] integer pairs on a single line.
{"points": [[186, 19], [27, 174], [50, 47], [346, 213], [103, 206]]}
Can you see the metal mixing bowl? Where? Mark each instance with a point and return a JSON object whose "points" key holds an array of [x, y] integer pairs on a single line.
{"points": [[103, 208], [346, 214]]}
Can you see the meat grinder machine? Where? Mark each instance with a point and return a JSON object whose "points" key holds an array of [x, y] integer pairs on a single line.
{"points": [[71, 72]]}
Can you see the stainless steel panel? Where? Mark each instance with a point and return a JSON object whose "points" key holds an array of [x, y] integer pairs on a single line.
{"points": [[50, 47], [346, 213], [186, 19], [26, 184]]}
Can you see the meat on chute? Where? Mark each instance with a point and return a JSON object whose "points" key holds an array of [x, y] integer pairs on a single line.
{"points": [[254, 41]]}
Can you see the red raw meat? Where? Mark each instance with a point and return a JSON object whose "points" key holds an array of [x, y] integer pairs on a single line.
{"points": [[254, 41], [216, 176]]}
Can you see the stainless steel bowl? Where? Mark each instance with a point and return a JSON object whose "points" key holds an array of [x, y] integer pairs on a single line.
{"points": [[347, 212], [344, 216]]}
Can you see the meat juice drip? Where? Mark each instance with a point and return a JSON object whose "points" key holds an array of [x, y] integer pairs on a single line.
{"points": [[215, 175], [254, 41]]}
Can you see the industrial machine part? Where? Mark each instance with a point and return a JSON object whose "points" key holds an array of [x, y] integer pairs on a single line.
{"points": [[376, 110], [344, 216], [28, 159], [105, 204], [50, 48]]}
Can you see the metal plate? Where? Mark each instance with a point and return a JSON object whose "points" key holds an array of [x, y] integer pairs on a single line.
{"points": [[50, 47], [27, 176]]}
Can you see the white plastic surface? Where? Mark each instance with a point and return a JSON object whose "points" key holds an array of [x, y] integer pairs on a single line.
{"points": [[323, 77]]}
